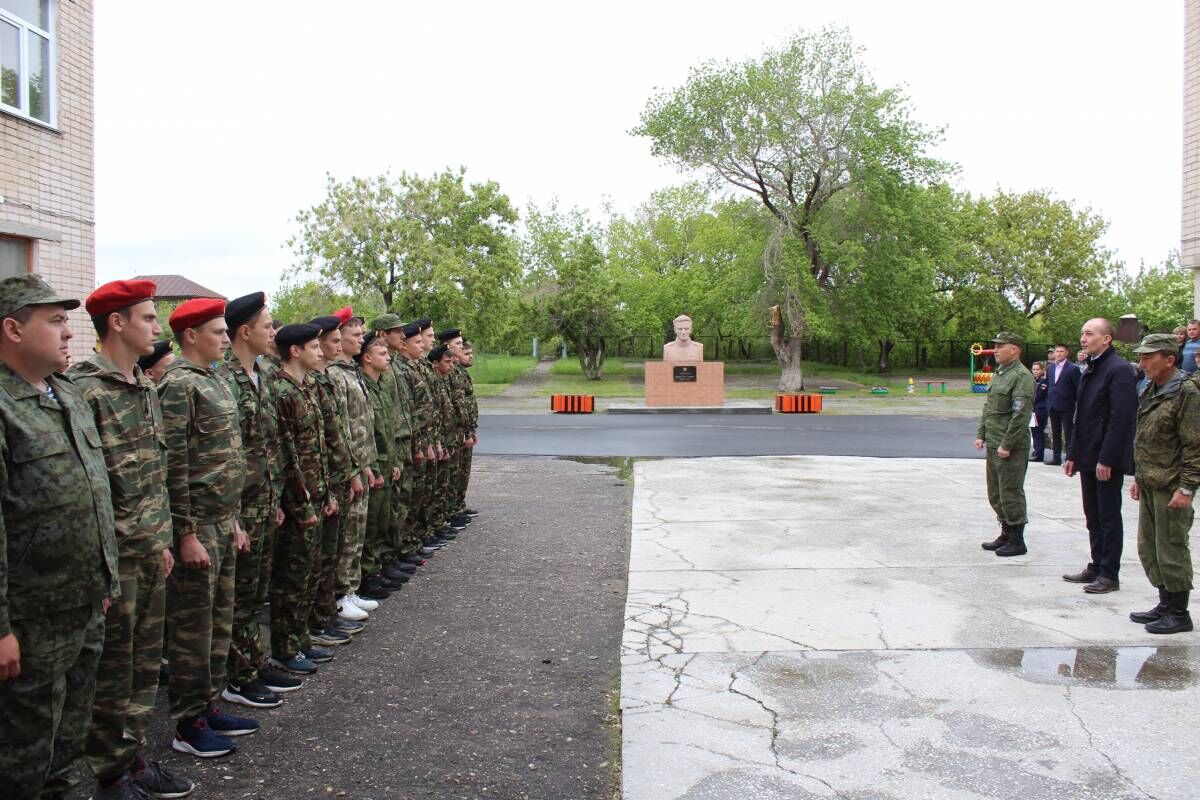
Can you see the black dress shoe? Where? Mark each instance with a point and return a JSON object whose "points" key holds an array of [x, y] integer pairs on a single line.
{"points": [[1086, 576], [1102, 585]]}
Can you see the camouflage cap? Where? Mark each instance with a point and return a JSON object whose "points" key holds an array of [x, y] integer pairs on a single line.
{"points": [[30, 290], [386, 322], [1008, 337], [1158, 343]]}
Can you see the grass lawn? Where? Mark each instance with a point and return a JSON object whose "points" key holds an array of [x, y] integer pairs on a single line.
{"points": [[609, 386], [492, 373], [570, 366]]}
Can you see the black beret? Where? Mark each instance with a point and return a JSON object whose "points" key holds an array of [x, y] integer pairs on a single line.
{"points": [[412, 329], [299, 335], [243, 309], [149, 360], [369, 338], [447, 335], [326, 324], [426, 323], [436, 353]]}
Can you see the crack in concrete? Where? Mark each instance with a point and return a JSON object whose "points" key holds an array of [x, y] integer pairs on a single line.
{"points": [[1092, 744], [879, 621]]}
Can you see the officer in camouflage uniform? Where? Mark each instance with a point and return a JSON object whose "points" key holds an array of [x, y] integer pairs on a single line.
{"points": [[307, 498], [1004, 431], [58, 552], [359, 434], [125, 409], [373, 360], [251, 681], [1166, 455], [205, 469]]}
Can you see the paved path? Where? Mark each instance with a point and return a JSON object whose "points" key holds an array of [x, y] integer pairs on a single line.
{"points": [[815, 627]]}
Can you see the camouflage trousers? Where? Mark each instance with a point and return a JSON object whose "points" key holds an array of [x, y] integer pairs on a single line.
{"points": [[420, 514], [376, 529], [200, 622], [1163, 545], [291, 600], [127, 678], [324, 569], [251, 581], [46, 708], [464, 478], [351, 544], [443, 490], [1006, 485], [405, 539]]}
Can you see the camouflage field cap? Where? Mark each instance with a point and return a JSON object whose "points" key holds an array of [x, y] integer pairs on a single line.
{"points": [[1008, 337], [30, 290], [1158, 343], [386, 322]]}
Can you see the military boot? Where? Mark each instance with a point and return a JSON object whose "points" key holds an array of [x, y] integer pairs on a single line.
{"points": [[999, 541], [1015, 546], [1176, 619], [1154, 614]]}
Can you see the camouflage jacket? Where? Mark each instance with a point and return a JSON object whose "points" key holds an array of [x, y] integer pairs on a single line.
{"points": [[205, 464], [472, 402], [57, 545], [1166, 442], [460, 382], [434, 382], [1005, 419], [423, 431], [306, 484], [405, 422], [359, 425], [129, 419], [451, 435], [386, 444], [260, 437], [337, 453]]}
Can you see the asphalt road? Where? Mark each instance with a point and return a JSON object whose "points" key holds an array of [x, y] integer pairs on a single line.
{"points": [[658, 435]]}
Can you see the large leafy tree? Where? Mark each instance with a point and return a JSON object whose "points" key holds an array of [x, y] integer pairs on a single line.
{"points": [[1161, 295], [436, 247], [796, 128]]}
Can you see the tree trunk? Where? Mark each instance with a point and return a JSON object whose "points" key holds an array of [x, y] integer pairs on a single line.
{"points": [[885, 350], [862, 358], [922, 357], [591, 358], [788, 351]]}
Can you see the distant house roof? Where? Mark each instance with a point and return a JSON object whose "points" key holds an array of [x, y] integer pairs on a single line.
{"points": [[177, 287]]}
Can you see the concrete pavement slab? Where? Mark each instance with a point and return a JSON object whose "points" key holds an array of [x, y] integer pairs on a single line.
{"points": [[829, 627]]}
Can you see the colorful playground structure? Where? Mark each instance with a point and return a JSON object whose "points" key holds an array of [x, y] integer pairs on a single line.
{"points": [[981, 380]]}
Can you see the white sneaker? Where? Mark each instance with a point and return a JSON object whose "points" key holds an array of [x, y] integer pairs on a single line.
{"points": [[350, 611], [362, 602]]}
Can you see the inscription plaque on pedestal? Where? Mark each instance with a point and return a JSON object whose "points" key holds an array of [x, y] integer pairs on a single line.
{"points": [[684, 374]]}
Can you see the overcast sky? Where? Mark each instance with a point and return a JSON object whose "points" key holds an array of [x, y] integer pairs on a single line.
{"points": [[216, 122]]}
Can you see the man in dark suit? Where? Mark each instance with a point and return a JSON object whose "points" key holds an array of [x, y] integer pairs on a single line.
{"points": [[1101, 451], [1063, 377]]}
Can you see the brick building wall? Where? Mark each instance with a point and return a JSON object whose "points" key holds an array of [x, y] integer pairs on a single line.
{"points": [[1189, 235], [47, 177]]}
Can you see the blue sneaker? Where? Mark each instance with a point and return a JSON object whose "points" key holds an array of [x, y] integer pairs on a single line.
{"points": [[195, 738], [317, 654], [298, 664], [228, 725]]}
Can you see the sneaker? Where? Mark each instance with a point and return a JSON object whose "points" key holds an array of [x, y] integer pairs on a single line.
{"points": [[470, 512], [329, 636], [194, 737], [429, 549], [253, 694], [461, 519], [372, 588], [346, 626], [389, 585], [362, 602], [297, 663], [403, 566], [395, 575], [157, 781], [456, 525], [229, 725], [414, 559], [351, 611], [318, 654], [121, 789], [278, 681]]}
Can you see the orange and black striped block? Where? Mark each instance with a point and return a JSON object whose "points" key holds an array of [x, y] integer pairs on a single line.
{"points": [[572, 403], [798, 403]]}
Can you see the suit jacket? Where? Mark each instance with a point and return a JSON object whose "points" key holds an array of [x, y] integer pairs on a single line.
{"points": [[1105, 413], [1064, 390]]}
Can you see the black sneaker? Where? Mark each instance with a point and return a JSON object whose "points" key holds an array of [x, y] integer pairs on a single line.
{"points": [[470, 512], [317, 654], [279, 681], [414, 559], [121, 789], [157, 781], [429, 550], [456, 525], [372, 588], [329, 636], [403, 566], [461, 519], [349, 626], [253, 694], [396, 575]]}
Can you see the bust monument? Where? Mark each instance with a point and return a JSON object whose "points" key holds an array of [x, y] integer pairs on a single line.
{"points": [[683, 348]]}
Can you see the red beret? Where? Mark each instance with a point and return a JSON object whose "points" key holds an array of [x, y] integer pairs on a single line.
{"points": [[117, 295], [196, 312], [343, 315]]}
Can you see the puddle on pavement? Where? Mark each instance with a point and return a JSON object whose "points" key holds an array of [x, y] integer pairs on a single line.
{"points": [[1100, 667], [622, 464]]}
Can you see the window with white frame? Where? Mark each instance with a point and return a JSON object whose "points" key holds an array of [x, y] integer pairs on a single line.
{"points": [[16, 256], [27, 58]]}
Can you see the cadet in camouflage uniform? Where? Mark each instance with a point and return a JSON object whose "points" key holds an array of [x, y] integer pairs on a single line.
{"points": [[251, 333], [462, 395], [307, 498], [1004, 430], [126, 412], [205, 469], [345, 483], [1166, 455], [58, 553], [374, 361], [426, 441], [466, 358], [442, 363], [359, 434], [405, 539]]}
